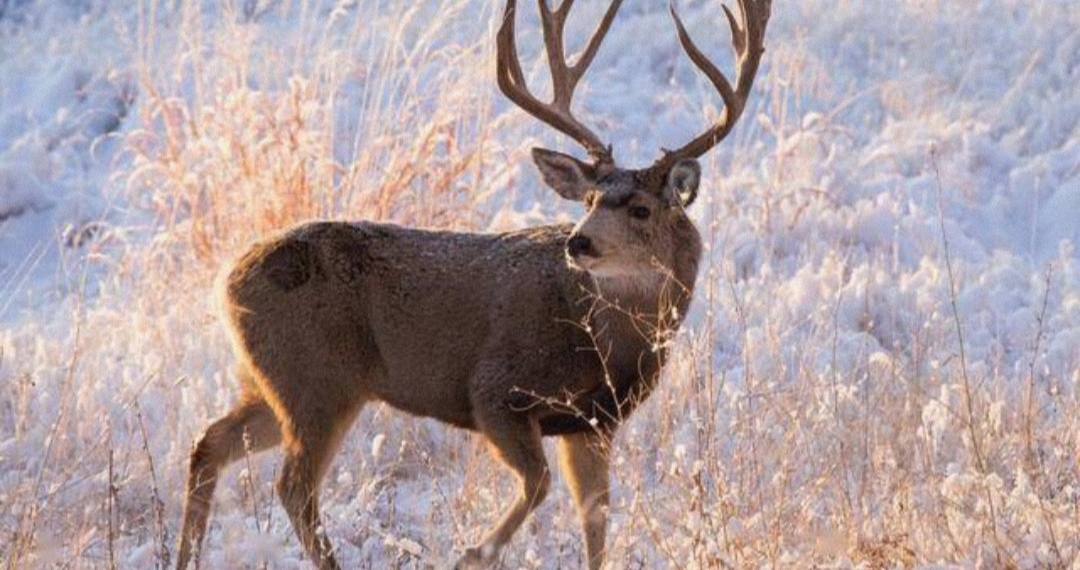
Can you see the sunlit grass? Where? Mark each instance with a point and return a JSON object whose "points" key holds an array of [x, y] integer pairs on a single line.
{"points": [[815, 411]]}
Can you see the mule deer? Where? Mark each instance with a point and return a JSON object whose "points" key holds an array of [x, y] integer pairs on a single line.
{"points": [[548, 331]]}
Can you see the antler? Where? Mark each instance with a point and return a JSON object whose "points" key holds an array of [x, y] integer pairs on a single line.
{"points": [[748, 42], [564, 77]]}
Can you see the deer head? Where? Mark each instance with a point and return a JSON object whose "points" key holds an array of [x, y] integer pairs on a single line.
{"points": [[634, 216]]}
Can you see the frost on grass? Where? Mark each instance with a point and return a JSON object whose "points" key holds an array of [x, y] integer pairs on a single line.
{"points": [[880, 368]]}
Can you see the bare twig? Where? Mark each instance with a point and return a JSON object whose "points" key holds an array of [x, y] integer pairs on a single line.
{"points": [[969, 395], [969, 392], [1035, 464], [1040, 322], [253, 490], [26, 528], [110, 501], [159, 505]]}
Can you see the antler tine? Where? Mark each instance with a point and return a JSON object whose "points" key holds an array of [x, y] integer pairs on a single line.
{"points": [[564, 77], [748, 42], [556, 58], [719, 80], [553, 23]]}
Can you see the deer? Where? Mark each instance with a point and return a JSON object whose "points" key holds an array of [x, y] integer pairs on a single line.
{"points": [[550, 331]]}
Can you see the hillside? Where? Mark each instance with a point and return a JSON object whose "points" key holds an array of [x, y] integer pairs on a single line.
{"points": [[882, 363]]}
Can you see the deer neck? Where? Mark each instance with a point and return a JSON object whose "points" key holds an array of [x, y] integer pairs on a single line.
{"points": [[643, 311]]}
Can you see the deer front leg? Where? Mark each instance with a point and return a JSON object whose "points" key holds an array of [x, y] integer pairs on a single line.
{"points": [[515, 441], [583, 458]]}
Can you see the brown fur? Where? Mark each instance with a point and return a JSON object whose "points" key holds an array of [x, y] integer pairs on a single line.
{"points": [[546, 331], [495, 333]]}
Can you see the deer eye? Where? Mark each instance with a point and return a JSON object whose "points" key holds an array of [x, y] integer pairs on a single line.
{"points": [[640, 212]]}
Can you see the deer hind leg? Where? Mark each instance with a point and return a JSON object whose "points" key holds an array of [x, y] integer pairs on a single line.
{"points": [[516, 443], [583, 458], [250, 425], [310, 447]]}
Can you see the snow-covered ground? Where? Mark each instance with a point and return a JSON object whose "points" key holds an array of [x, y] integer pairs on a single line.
{"points": [[882, 367]]}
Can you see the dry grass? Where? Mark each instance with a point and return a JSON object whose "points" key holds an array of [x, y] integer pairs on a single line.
{"points": [[853, 434]]}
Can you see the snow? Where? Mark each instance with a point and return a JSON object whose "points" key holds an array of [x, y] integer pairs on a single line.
{"points": [[882, 363]]}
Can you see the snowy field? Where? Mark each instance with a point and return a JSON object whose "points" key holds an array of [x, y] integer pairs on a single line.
{"points": [[882, 365]]}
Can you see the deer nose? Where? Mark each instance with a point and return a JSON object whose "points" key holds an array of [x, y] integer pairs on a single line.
{"points": [[578, 244]]}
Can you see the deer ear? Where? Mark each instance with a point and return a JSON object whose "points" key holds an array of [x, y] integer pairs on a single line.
{"points": [[682, 182], [568, 176]]}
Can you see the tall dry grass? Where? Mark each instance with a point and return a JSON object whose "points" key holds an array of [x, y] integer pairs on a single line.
{"points": [[849, 432], [236, 135]]}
